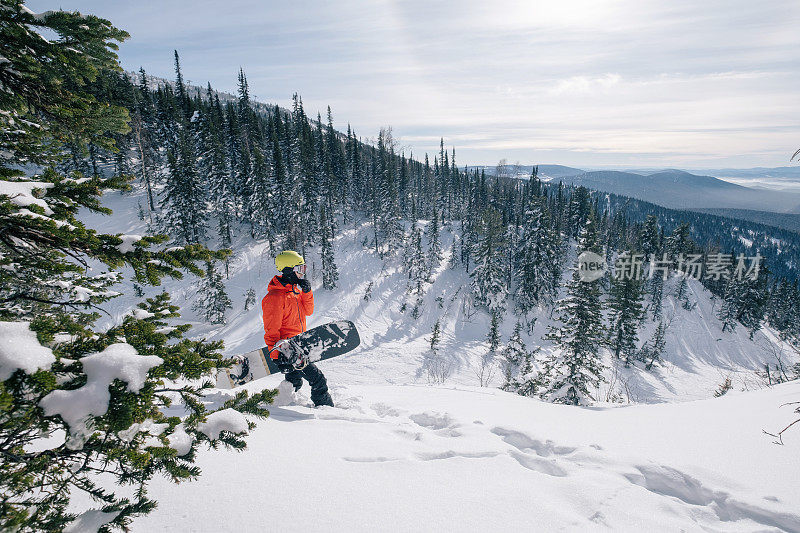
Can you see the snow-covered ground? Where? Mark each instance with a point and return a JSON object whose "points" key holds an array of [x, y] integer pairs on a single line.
{"points": [[420, 458], [398, 453]]}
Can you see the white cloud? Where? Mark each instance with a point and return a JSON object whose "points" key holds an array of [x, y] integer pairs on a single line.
{"points": [[584, 84], [658, 83]]}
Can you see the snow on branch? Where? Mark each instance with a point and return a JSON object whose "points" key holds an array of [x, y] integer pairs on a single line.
{"points": [[225, 420], [76, 407], [20, 350]]}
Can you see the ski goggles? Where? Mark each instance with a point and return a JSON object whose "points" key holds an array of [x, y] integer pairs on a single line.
{"points": [[300, 270]]}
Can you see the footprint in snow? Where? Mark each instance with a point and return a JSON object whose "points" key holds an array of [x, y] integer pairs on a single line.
{"points": [[432, 420], [383, 410], [524, 442], [449, 454], [538, 464], [410, 435], [674, 484], [368, 459]]}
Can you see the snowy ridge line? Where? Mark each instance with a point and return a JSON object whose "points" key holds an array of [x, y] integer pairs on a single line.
{"points": [[156, 81]]}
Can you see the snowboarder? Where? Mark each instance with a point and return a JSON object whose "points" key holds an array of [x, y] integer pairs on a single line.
{"points": [[288, 302]]}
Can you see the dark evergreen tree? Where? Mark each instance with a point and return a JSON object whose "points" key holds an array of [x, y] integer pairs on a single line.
{"points": [[434, 363], [183, 210], [744, 301], [516, 359], [731, 301], [625, 303], [213, 164], [649, 239], [656, 291], [249, 299], [142, 140], [580, 207], [212, 302], [488, 281], [575, 367], [416, 267], [537, 257], [47, 295], [330, 274], [432, 231], [654, 348]]}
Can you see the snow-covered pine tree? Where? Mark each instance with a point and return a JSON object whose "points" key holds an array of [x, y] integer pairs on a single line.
{"points": [[387, 204], [323, 182], [417, 268], [656, 291], [649, 238], [731, 301], [212, 302], [488, 282], [537, 257], [783, 310], [47, 302], [519, 372], [260, 204], [653, 349], [279, 177], [355, 176], [680, 242], [744, 301], [682, 293], [625, 303], [213, 165], [242, 164], [651, 247], [434, 242], [330, 274], [249, 299], [434, 365], [291, 198], [334, 188], [142, 138], [579, 210], [183, 204], [515, 357], [575, 366], [487, 366], [755, 297], [183, 212]]}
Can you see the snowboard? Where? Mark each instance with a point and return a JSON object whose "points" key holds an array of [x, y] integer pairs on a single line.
{"points": [[316, 344]]}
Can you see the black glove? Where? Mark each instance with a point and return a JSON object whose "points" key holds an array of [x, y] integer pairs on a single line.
{"points": [[305, 285], [289, 276]]}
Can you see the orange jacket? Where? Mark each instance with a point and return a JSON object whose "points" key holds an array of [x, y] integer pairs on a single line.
{"points": [[284, 308]]}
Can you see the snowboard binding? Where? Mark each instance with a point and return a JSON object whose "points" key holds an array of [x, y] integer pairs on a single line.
{"points": [[242, 376], [292, 353]]}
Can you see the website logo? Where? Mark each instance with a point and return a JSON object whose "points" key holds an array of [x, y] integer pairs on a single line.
{"points": [[591, 266]]}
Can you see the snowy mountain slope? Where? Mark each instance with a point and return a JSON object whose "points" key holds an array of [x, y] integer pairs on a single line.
{"points": [[420, 458], [400, 454], [698, 359]]}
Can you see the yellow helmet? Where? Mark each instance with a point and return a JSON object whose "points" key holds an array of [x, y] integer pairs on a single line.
{"points": [[288, 258]]}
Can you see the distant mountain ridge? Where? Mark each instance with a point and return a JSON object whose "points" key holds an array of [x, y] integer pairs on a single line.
{"points": [[672, 188]]}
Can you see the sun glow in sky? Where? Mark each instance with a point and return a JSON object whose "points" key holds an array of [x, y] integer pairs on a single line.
{"points": [[583, 83]]}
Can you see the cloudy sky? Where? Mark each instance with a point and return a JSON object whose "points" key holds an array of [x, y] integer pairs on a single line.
{"points": [[644, 83]]}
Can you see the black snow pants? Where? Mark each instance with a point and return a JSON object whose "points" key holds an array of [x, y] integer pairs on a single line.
{"points": [[315, 378]]}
